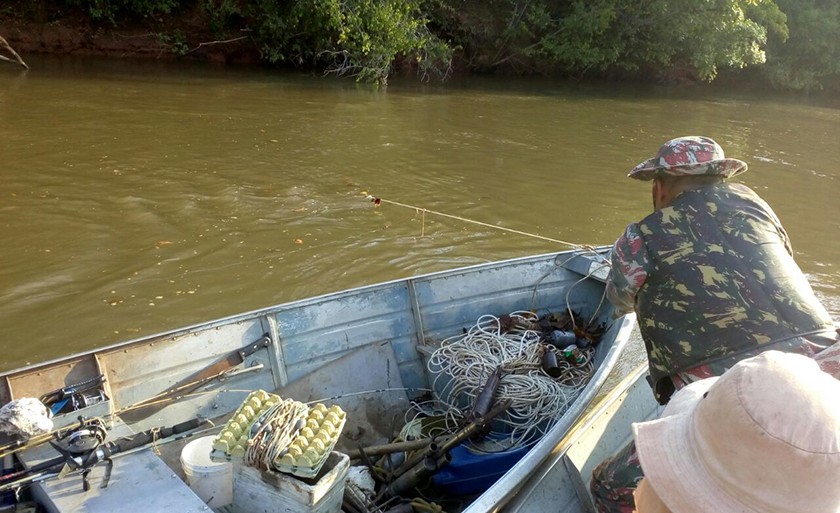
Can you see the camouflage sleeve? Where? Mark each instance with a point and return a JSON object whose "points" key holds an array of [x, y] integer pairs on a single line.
{"points": [[629, 271]]}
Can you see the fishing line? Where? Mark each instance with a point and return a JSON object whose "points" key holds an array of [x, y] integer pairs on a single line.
{"points": [[588, 247], [376, 201], [367, 392]]}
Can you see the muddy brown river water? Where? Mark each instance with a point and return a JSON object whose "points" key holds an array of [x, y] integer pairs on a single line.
{"points": [[141, 197]]}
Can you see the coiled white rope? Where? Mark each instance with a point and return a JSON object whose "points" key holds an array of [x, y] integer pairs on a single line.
{"points": [[278, 426], [462, 364]]}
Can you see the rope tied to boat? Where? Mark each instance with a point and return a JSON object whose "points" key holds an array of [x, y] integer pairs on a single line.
{"points": [[378, 201]]}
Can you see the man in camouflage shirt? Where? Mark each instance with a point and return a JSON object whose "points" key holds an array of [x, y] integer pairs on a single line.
{"points": [[711, 277]]}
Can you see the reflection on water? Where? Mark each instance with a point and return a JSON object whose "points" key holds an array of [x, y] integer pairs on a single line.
{"points": [[138, 198]]}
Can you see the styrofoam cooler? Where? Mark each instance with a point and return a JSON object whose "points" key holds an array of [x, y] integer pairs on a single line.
{"points": [[256, 491]]}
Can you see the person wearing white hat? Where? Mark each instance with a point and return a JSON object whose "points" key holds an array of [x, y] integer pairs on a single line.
{"points": [[762, 438], [711, 277]]}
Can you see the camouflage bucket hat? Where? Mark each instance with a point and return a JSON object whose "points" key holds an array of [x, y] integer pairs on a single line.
{"points": [[687, 156]]}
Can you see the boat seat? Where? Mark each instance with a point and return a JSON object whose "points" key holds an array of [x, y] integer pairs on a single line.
{"points": [[140, 483]]}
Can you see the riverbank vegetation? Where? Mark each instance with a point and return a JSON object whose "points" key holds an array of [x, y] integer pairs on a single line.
{"points": [[791, 44]]}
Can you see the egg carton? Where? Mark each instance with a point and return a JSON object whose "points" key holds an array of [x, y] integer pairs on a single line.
{"points": [[232, 440], [310, 448]]}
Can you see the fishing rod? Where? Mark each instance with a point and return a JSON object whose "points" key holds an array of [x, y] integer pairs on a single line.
{"points": [[223, 368], [85, 447], [72, 397], [23, 445]]}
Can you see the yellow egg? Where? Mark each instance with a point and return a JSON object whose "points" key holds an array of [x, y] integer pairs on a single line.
{"points": [[323, 437], [248, 411], [242, 420], [333, 417], [255, 403], [301, 441], [303, 461], [235, 428], [318, 445], [295, 451], [320, 408], [287, 459], [238, 451], [307, 433], [312, 453], [316, 415], [329, 427]]}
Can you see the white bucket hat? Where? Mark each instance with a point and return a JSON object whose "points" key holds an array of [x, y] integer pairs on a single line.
{"points": [[763, 438]]}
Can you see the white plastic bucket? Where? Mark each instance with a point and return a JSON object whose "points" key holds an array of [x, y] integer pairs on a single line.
{"points": [[212, 481]]}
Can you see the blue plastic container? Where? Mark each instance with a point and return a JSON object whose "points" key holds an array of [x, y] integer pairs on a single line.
{"points": [[471, 473]]}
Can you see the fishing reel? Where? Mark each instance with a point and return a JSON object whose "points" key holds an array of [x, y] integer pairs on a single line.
{"points": [[75, 397], [84, 438], [80, 448]]}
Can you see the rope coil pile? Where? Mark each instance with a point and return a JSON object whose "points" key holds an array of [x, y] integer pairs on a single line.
{"points": [[462, 364], [277, 427]]}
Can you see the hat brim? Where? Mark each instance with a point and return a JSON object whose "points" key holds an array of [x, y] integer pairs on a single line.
{"points": [[673, 466], [652, 168]]}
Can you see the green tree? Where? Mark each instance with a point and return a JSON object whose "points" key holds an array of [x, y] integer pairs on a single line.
{"points": [[374, 33], [360, 38], [810, 58], [794, 43], [577, 36], [111, 10], [720, 33]]}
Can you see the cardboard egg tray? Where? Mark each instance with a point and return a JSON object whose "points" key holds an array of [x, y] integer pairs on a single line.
{"points": [[310, 448], [232, 440]]}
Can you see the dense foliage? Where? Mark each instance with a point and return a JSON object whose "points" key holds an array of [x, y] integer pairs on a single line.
{"points": [[362, 38], [577, 36], [810, 57], [794, 43]]}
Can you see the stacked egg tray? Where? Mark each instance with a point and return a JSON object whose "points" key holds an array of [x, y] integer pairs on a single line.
{"points": [[311, 444], [232, 440], [308, 451]]}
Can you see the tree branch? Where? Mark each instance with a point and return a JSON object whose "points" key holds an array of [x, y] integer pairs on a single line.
{"points": [[5, 45], [216, 43]]}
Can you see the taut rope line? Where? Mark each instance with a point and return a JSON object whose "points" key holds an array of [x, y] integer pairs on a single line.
{"points": [[377, 201]]}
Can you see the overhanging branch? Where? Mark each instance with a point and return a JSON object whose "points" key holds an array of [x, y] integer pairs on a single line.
{"points": [[4, 45]]}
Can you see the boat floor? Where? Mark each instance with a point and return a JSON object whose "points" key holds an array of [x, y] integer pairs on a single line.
{"points": [[375, 401]]}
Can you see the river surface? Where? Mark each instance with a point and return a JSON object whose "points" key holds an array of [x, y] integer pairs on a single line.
{"points": [[137, 198]]}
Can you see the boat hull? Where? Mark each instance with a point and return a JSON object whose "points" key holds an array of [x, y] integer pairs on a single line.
{"points": [[345, 346]]}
